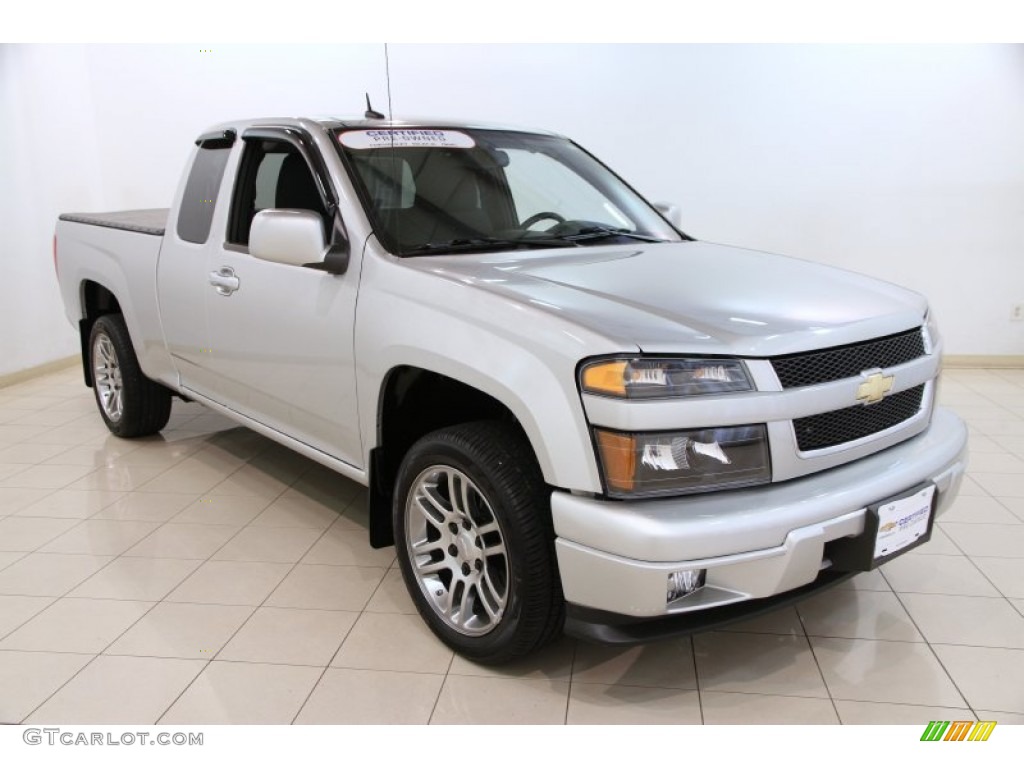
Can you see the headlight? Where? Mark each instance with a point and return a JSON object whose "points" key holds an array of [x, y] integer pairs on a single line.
{"points": [[650, 378], [670, 463], [931, 332]]}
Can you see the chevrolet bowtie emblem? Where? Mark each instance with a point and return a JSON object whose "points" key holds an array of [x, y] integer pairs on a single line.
{"points": [[875, 387]]}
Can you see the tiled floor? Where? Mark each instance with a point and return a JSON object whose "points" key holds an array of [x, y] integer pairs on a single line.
{"points": [[210, 576]]}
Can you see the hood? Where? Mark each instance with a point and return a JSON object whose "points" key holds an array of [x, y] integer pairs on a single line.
{"points": [[693, 297]]}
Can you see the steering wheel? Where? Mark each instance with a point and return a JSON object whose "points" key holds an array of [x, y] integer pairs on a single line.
{"points": [[541, 216]]}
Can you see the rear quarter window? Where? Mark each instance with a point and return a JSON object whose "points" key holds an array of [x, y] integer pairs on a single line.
{"points": [[195, 214]]}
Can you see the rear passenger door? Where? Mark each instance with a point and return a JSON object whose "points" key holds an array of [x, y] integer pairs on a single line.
{"points": [[280, 336], [181, 268]]}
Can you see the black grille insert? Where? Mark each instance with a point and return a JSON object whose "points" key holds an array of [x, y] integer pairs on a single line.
{"points": [[823, 430], [806, 368]]}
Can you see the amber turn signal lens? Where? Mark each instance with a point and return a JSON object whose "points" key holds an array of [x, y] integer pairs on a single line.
{"points": [[618, 456], [608, 378]]}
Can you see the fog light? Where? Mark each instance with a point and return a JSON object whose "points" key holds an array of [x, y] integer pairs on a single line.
{"points": [[682, 583]]}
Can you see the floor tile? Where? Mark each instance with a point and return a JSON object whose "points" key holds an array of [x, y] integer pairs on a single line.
{"points": [[76, 625], [105, 455], [116, 478], [391, 595], [499, 700], [14, 433], [148, 507], [393, 642], [119, 689], [1003, 718], [29, 453], [969, 487], [939, 544], [979, 509], [26, 534], [990, 678], [136, 578], [884, 671], [1010, 485], [371, 697], [1016, 506], [190, 475], [856, 613], [71, 503], [6, 558], [600, 704], [181, 630], [348, 546], [872, 581], [6, 470], [49, 574], [290, 636], [241, 693], [293, 509], [874, 713], [552, 662], [100, 537], [1005, 572], [757, 709], [984, 540], [27, 679], [938, 574], [221, 510], [769, 664], [15, 610], [183, 540], [330, 587], [48, 476], [958, 620], [250, 482], [995, 463], [13, 500], [268, 545], [783, 621], [667, 664], [230, 583]]}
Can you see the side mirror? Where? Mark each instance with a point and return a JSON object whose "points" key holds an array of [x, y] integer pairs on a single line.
{"points": [[288, 236], [672, 212]]}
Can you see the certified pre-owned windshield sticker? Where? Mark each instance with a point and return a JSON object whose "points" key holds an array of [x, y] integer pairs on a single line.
{"points": [[406, 137]]}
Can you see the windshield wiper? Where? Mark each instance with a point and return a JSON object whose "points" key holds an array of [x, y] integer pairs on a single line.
{"points": [[600, 233], [486, 244]]}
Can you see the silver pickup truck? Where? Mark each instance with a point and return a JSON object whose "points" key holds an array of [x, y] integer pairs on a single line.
{"points": [[569, 414]]}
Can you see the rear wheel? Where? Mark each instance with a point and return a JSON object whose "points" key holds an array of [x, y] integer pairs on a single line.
{"points": [[473, 535], [130, 404]]}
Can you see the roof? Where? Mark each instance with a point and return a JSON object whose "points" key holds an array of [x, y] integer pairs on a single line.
{"points": [[361, 122]]}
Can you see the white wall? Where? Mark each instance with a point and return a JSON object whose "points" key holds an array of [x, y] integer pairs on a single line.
{"points": [[902, 162]]}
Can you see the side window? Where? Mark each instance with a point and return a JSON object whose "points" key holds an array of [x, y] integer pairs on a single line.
{"points": [[195, 214], [273, 174]]}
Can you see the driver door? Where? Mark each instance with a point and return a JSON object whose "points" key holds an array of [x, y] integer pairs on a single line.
{"points": [[281, 336]]}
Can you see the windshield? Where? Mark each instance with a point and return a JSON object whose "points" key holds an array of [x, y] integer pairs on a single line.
{"points": [[432, 190]]}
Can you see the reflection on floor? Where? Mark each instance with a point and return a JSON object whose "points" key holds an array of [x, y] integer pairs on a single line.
{"points": [[210, 576]]}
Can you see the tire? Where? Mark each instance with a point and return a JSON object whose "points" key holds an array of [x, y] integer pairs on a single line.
{"points": [[130, 404], [481, 571]]}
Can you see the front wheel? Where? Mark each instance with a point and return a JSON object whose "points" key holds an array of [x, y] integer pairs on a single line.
{"points": [[130, 404], [473, 535]]}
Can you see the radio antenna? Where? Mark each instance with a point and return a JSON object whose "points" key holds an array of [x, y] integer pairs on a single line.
{"points": [[387, 73]]}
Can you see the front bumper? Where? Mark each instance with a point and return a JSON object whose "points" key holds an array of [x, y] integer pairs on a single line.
{"points": [[615, 557]]}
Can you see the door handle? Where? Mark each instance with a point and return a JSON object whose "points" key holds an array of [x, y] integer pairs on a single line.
{"points": [[224, 281]]}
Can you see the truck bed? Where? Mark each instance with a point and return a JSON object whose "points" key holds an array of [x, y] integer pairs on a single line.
{"points": [[149, 221]]}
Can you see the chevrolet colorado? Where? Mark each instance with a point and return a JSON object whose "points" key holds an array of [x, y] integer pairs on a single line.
{"points": [[569, 414]]}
